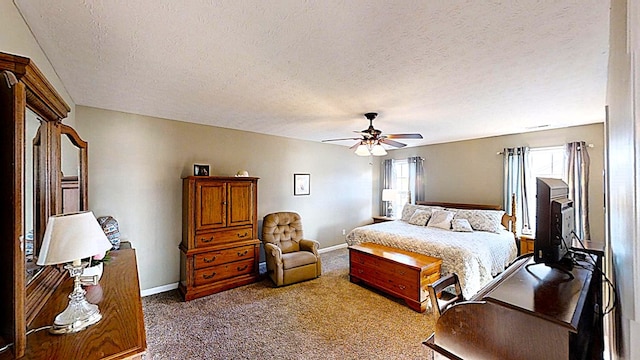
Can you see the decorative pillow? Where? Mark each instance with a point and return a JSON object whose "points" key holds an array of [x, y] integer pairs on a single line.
{"points": [[420, 217], [461, 225], [482, 220], [441, 219], [409, 209]]}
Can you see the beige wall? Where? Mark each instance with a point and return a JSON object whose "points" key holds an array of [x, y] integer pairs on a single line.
{"points": [[136, 164], [471, 171]]}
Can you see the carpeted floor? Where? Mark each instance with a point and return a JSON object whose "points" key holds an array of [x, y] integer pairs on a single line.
{"points": [[325, 318]]}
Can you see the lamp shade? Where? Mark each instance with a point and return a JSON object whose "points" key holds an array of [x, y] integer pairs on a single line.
{"points": [[362, 150], [388, 194], [71, 237], [378, 150]]}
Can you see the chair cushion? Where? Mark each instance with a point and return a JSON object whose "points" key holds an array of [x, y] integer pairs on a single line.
{"points": [[283, 229], [299, 258]]}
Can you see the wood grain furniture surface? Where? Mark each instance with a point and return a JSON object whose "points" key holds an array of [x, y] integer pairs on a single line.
{"points": [[31, 142], [397, 272], [120, 334], [220, 245], [530, 311], [526, 244]]}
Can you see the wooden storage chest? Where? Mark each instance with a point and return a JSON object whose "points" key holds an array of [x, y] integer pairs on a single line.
{"points": [[397, 272]]}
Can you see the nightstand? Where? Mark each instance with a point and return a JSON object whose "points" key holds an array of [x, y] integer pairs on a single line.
{"points": [[379, 219], [526, 244]]}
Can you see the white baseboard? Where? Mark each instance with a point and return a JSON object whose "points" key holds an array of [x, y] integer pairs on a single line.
{"points": [[331, 248], [168, 287], [158, 289]]}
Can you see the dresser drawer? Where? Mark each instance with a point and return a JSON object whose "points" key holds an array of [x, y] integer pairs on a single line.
{"points": [[223, 236], [220, 272], [224, 256]]}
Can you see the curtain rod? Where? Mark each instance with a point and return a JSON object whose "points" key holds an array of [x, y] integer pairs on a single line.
{"points": [[588, 145]]}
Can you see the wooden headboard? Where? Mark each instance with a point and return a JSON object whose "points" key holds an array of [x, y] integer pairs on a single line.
{"points": [[508, 220]]}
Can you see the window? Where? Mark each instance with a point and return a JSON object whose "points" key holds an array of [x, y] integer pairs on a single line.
{"points": [[400, 182], [544, 162]]}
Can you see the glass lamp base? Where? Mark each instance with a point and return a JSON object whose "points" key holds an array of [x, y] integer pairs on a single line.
{"points": [[79, 313], [76, 317]]}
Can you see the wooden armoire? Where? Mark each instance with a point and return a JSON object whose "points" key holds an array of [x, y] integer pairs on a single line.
{"points": [[220, 245]]}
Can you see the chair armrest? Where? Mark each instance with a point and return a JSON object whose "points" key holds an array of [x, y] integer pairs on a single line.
{"points": [[273, 251], [309, 245]]}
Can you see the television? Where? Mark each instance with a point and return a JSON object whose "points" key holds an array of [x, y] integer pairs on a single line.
{"points": [[554, 221]]}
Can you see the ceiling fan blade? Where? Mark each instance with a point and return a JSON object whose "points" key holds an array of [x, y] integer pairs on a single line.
{"points": [[353, 138], [356, 145], [392, 143], [403, 136]]}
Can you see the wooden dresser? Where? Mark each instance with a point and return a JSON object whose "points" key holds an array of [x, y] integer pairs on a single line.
{"points": [[220, 245], [119, 335], [397, 272], [530, 311]]}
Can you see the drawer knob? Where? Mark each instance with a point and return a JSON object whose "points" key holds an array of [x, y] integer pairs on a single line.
{"points": [[242, 268], [209, 260], [243, 236], [207, 240], [240, 254], [402, 287], [207, 277]]}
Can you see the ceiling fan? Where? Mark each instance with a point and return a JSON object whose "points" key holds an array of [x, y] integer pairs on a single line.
{"points": [[371, 139]]}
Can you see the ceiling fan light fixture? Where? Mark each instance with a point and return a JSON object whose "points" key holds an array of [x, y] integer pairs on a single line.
{"points": [[362, 150], [378, 150]]}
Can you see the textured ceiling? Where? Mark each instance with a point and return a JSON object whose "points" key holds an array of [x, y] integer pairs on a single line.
{"points": [[450, 70]]}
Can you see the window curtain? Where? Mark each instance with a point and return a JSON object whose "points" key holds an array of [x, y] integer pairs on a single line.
{"points": [[416, 179], [386, 182], [516, 178], [577, 176]]}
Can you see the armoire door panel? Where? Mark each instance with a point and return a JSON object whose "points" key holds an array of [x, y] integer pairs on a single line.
{"points": [[240, 204], [211, 210]]}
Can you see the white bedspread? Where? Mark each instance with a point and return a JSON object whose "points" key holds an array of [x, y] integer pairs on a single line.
{"points": [[475, 256]]}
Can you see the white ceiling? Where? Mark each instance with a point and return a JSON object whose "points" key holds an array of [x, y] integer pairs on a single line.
{"points": [[451, 70]]}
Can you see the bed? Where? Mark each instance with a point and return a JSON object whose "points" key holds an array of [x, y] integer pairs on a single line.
{"points": [[482, 249]]}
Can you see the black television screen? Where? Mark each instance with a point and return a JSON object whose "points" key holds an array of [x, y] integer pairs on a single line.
{"points": [[554, 221]]}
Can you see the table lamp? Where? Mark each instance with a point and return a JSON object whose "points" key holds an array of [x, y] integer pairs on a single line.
{"points": [[68, 239], [389, 195]]}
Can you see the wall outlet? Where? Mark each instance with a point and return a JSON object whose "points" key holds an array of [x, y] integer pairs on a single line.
{"points": [[344, 231]]}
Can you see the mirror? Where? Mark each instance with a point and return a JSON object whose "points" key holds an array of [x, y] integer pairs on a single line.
{"points": [[31, 126], [73, 157], [30, 191]]}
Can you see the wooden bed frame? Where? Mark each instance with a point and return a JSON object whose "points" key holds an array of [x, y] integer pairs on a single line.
{"points": [[508, 220]]}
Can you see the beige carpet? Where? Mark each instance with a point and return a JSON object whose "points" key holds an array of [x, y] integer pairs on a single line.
{"points": [[325, 318]]}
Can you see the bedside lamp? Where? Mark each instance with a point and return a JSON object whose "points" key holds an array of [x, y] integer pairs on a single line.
{"points": [[389, 195], [68, 239]]}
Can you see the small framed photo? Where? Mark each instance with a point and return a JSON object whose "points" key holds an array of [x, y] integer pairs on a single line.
{"points": [[301, 184], [201, 169]]}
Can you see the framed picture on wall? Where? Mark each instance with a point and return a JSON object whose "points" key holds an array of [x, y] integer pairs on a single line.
{"points": [[301, 184], [201, 170]]}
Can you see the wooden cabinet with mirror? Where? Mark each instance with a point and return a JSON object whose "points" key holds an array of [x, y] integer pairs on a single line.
{"points": [[33, 147]]}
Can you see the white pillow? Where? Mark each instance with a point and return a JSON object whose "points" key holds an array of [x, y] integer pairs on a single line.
{"points": [[420, 217], [441, 219], [482, 220], [461, 225]]}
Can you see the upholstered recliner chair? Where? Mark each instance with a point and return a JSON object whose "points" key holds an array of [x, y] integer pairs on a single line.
{"points": [[290, 258]]}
